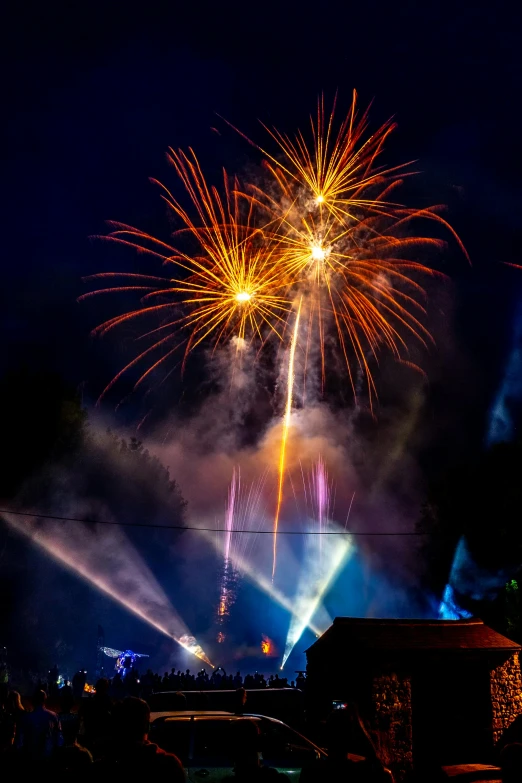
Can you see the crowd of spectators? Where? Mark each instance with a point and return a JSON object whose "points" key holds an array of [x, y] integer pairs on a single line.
{"points": [[200, 681], [105, 731]]}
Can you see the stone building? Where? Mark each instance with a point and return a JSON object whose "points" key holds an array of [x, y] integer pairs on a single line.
{"points": [[431, 691]]}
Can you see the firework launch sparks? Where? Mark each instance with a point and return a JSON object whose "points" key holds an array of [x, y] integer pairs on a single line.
{"points": [[243, 512]]}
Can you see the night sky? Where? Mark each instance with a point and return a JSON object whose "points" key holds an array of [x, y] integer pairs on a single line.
{"points": [[94, 93]]}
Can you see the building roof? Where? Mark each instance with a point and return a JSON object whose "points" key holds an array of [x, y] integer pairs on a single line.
{"points": [[358, 636]]}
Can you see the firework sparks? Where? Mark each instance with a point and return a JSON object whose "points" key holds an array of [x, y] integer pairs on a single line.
{"points": [[319, 498], [343, 241], [284, 439], [231, 285], [243, 512]]}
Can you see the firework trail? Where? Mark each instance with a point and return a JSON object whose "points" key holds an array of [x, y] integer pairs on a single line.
{"points": [[284, 439]]}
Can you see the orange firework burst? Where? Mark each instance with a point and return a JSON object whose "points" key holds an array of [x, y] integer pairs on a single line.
{"points": [[232, 285], [267, 646], [342, 243]]}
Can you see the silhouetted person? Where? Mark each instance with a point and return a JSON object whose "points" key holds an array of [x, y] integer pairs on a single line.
{"points": [[69, 720], [96, 719], [248, 768], [16, 716], [511, 763], [40, 734], [71, 757], [131, 754]]}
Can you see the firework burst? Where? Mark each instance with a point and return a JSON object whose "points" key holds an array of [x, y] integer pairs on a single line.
{"points": [[344, 243], [230, 285]]}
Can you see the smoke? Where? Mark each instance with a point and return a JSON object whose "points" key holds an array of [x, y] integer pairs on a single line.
{"points": [[171, 581], [109, 481], [378, 478]]}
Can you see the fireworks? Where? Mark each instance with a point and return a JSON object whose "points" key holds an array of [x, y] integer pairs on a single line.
{"points": [[341, 240], [243, 512], [323, 231], [267, 646], [320, 256], [231, 284]]}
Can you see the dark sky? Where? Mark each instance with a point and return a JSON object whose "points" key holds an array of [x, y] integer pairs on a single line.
{"points": [[93, 93]]}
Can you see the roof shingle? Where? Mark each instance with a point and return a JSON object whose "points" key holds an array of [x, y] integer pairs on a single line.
{"points": [[361, 635]]}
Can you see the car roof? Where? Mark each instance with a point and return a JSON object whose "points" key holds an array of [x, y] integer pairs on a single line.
{"points": [[232, 690], [191, 714]]}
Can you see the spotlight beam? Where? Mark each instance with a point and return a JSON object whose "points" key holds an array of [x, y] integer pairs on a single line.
{"points": [[307, 602], [73, 563]]}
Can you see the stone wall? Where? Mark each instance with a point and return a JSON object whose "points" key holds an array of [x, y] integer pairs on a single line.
{"points": [[506, 694], [391, 726]]}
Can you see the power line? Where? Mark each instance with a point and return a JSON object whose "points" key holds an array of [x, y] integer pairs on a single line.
{"points": [[205, 529]]}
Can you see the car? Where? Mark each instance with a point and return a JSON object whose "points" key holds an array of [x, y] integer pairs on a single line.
{"points": [[204, 742], [473, 773], [286, 704]]}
